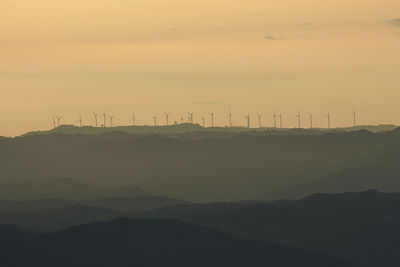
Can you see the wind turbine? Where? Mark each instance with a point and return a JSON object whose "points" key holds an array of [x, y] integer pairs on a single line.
{"points": [[104, 118], [133, 119], [230, 118], [80, 120], [111, 120], [58, 120], [248, 120], [329, 120], [167, 117], [274, 119], [259, 120], [190, 116], [280, 120], [212, 118], [95, 117], [155, 119], [311, 121], [182, 120], [54, 123], [354, 117], [298, 119]]}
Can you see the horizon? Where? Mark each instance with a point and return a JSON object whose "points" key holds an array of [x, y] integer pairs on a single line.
{"points": [[243, 128], [319, 121]]}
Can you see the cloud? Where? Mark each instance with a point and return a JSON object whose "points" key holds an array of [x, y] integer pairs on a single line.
{"points": [[273, 38], [395, 22]]}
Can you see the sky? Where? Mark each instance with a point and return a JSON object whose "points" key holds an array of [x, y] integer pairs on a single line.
{"points": [[67, 57]]}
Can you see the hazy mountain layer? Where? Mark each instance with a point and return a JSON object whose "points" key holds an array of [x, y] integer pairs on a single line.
{"points": [[36, 188], [379, 169], [196, 166], [140, 203]]}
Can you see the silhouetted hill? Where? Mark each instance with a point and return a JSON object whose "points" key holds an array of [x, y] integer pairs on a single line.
{"points": [[189, 128], [39, 204], [371, 128], [356, 227], [140, 203], [192, 166], [360, 227], [136, 242], [89, 130]]}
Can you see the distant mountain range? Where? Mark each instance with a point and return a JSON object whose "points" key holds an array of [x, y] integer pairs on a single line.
{"points": [[123, 204], [30, 189], [200, 166]]}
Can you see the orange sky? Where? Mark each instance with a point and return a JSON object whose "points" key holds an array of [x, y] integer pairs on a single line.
{"points": [[147, 56]]}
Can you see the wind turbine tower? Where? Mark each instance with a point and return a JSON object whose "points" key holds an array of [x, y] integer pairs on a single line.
{"points": [[259, 120], [298, 120], [230, 118], [111, 120], [95, 117], [354, 117], [54, 123], [212, 118], [155, 119], [311, 121], [166, 118], [248, 120], [280, 120], [133, 119], [58, 120], [329, 120], [104, 118], [80, 120], [274, 120], [190, 117]]}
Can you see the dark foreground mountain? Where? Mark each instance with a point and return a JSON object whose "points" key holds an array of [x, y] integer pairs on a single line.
{"points": [[360, 227], [357, 227], [52, 220], [136, 242], [11, 235]]}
